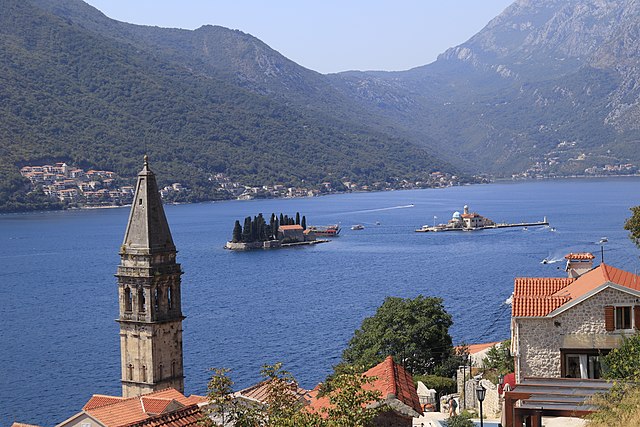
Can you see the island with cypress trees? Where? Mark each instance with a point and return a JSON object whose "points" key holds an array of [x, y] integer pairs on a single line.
{"points": [[281, 231]]}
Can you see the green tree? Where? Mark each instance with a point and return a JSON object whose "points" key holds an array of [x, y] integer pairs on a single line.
{"points": [[352, 405], [304, 222], [414, 331], [246, 230], [623, 362], [220, 395], [462, 420], [632, 225], [499, 358], [297, 218], [237, 232]]}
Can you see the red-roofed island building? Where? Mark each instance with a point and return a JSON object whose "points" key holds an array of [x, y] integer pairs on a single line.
{"points": [[560, 327]]}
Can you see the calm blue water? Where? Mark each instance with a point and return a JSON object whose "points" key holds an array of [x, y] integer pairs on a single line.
{"points": [[59, 341]]}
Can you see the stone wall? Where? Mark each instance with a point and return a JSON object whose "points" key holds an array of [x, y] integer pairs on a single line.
{"points": [[539, 340]]}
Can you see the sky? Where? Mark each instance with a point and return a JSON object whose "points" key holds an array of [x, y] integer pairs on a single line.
{"points": [[327, 36]]}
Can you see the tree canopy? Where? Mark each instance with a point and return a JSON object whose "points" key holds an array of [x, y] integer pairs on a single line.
{"points": [[632, 225], [414, 331]]}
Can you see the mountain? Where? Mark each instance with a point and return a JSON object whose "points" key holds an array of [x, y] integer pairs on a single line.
{"points": [[548, 86], [79, 87]]}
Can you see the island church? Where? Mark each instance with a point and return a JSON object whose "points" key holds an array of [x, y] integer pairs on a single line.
{"points": [[149, 296]]}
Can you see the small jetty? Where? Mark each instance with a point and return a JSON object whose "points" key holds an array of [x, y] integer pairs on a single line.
{"points": [[473, 221]]}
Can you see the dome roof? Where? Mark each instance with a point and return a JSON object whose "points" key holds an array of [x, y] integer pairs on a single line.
{"points": [[456, 215]]}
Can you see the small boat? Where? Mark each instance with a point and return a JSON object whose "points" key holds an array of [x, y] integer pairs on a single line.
{"points": [[377, 222], [325, 230], [357, 227], [603, 240]]}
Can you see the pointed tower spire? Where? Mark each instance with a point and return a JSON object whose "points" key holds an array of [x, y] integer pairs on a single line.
{"points": [[149, 293], [147, 230]]}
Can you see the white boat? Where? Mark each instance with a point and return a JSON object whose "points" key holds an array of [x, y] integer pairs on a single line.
{"points": [[357, 227]]}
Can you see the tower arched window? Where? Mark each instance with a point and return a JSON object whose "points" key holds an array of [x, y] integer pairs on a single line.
{"points": [[156, 298], [128, 299], [169, 298], [160, 371], [142, 303], [173, 369], [144, 374], [130, 372]]}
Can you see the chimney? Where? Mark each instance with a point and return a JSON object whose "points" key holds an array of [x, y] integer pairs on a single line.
{"points": [[578, 263]]}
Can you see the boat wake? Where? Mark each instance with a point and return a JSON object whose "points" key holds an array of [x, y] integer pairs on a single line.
{"points": [[381, 209]]}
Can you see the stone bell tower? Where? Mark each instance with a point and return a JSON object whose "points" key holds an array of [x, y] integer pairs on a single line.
{"points": [[149, 294]]}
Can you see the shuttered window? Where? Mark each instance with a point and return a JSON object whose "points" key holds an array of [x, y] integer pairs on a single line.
{"points": [[609, 319]]}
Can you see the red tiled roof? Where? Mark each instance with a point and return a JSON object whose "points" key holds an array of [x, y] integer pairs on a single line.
{"points": [[185, 417], [477, 348], [291, 227], [579, 256], [537, 297], [260, 391], [392, 381], [98, 400], [121, 412]]}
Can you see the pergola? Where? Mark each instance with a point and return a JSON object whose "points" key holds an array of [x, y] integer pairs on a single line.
{"points": [[535, 397]]}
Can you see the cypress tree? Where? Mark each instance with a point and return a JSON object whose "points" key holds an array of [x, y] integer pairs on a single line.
{"points": [[237, 232], [281, 219], [297, 218], [304, 222], [285, 221], [275, 230], [254, 229], [246, 230], [262, 225]]}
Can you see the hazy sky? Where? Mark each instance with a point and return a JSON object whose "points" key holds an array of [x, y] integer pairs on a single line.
{"points": [[328, 35]]}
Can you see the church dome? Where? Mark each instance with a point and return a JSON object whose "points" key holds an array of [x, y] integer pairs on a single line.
{"points": [[456, 215]]}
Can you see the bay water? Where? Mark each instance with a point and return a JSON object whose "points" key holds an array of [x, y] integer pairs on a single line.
{"points": [[59, 341]]}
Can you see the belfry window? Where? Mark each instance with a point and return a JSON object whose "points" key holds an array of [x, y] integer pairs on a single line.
{"points": [[130, 372], [173, 369], [156, 298], [142, 303], [160, 371], [144, 374], [169, 302], [128, 299]]}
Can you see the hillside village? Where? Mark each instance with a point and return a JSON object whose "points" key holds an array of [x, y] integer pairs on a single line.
{"points": [[74, 186]]}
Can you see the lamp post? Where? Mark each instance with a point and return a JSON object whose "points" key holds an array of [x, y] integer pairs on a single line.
{"points": [[480, 393]]}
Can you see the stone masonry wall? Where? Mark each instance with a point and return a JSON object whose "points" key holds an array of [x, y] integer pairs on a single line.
{"points": [[540, 340]]}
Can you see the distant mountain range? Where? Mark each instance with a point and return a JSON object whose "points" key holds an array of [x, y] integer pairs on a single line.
{"points": [[548, 87]]}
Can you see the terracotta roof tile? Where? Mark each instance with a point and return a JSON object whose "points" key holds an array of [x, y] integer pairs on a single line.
{"points": [[190, 416], [392, 380], [98, 400], [291, 227], [579, 256], [537, 297], [260, 391], [476, 348], [122, 411]]}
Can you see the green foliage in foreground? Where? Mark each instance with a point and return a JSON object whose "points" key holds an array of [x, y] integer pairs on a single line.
{"points": [[623, 363], [351, 405], [499, 359], [632, 225], [462, 420], [414, 331], [619, 407]]}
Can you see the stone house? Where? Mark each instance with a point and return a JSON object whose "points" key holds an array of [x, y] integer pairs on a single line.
{"points": [[560, 327], [291, 233]]}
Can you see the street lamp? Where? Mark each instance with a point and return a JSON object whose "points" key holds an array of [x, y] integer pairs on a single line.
{"points": [[480, 393]]}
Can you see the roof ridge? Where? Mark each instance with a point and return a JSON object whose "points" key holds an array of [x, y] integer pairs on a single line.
{"points": [[605, 271], [394, 372]]}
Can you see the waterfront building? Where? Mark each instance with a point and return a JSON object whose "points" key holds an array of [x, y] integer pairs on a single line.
{"points": [[149, 296]]}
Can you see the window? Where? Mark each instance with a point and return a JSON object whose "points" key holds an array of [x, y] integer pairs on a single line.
{"points": [[156, 299], [142, 303], [169, 302], [160, 372], [144, 374], [583, 364], [173, 369], [130, 372], [623, 317], [128, 300]]}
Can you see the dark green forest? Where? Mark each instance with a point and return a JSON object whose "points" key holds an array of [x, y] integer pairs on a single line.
{"points": [[70, 94]]}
